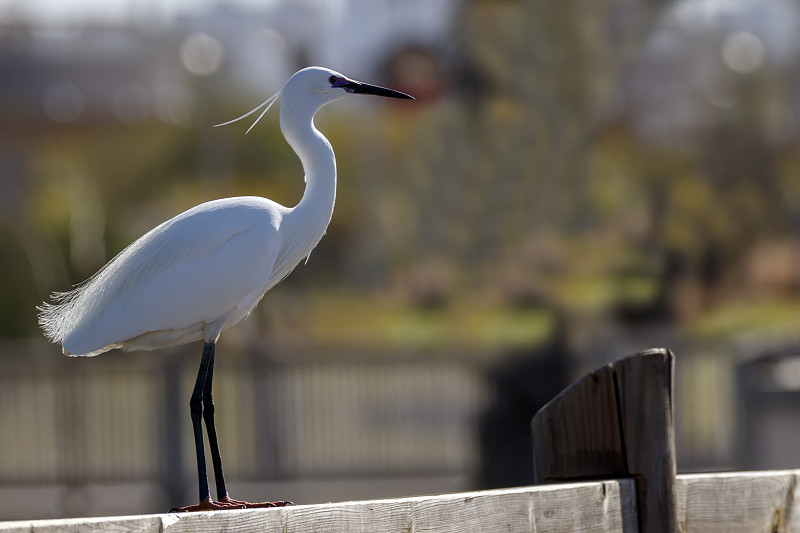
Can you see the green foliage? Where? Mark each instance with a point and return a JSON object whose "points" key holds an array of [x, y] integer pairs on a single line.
{"points": [[529, 182]]}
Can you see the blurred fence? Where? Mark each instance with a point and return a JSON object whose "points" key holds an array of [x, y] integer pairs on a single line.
{"points": [[768, 402], [317, 423], [125, 417]]}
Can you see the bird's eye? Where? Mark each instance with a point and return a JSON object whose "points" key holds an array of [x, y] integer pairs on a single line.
{"points": [[332, 80]]}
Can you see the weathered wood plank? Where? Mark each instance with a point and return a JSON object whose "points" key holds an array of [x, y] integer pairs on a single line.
{"points": [[707, 503], [645, 388], [577, 434], [745, 502], [615, 422], [608, 506], [134, 524]]}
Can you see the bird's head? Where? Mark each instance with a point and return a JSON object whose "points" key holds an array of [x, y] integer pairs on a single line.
{"points": [[322, 86], [314, 87]]}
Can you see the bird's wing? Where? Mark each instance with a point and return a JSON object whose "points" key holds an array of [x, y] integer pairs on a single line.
{"points": [[204, 289], [189, 272]]}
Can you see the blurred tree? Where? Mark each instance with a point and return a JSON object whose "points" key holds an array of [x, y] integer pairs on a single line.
{"points": [[494, 169]]}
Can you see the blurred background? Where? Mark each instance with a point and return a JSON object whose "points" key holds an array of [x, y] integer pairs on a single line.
{"points": [[577, 180]]}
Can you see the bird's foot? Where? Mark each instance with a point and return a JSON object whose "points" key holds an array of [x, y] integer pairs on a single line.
{"points": [[248, 505], [207, 505], [226, 503]]}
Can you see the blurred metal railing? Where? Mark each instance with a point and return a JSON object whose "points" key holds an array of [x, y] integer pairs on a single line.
{"points": [[122, 417]]}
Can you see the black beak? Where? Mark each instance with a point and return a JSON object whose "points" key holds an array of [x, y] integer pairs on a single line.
{"points": [[356, 87]]}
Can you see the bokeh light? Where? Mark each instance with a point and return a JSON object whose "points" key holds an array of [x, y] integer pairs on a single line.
{"points": [[201, 54], [743, 52]]}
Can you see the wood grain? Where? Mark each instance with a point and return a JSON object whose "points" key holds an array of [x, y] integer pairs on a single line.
{"points": [[615, 422], [737, 502], [579, 507], [577, 434], [767, 501], [645, 388]]}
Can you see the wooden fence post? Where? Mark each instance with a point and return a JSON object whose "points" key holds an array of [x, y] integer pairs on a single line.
{"points": [[615, 422]]}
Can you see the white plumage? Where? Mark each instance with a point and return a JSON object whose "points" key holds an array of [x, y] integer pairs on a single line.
{"points": [[202, 271]]}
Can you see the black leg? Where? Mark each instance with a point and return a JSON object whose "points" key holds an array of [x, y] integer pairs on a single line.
{"points": [[196, 409], [202, 409], [208, 416]]}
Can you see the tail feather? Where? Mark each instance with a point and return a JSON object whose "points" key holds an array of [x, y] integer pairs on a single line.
{"points": [[54, 318]]}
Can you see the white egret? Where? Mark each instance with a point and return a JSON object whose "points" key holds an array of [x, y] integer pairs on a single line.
{"points": [[204, 270]]}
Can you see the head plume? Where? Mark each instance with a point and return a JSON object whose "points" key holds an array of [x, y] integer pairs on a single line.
{"points": [[266, 104]]}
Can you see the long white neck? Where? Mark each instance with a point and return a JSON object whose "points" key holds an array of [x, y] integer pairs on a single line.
{"points": [[319, 162], [305, 224]]}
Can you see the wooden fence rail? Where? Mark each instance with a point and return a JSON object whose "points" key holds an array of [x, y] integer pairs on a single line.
{"points": [[740, 502], [579, 507]]}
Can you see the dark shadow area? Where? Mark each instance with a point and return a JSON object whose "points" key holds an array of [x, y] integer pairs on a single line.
{"points": [[522, 383]]}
